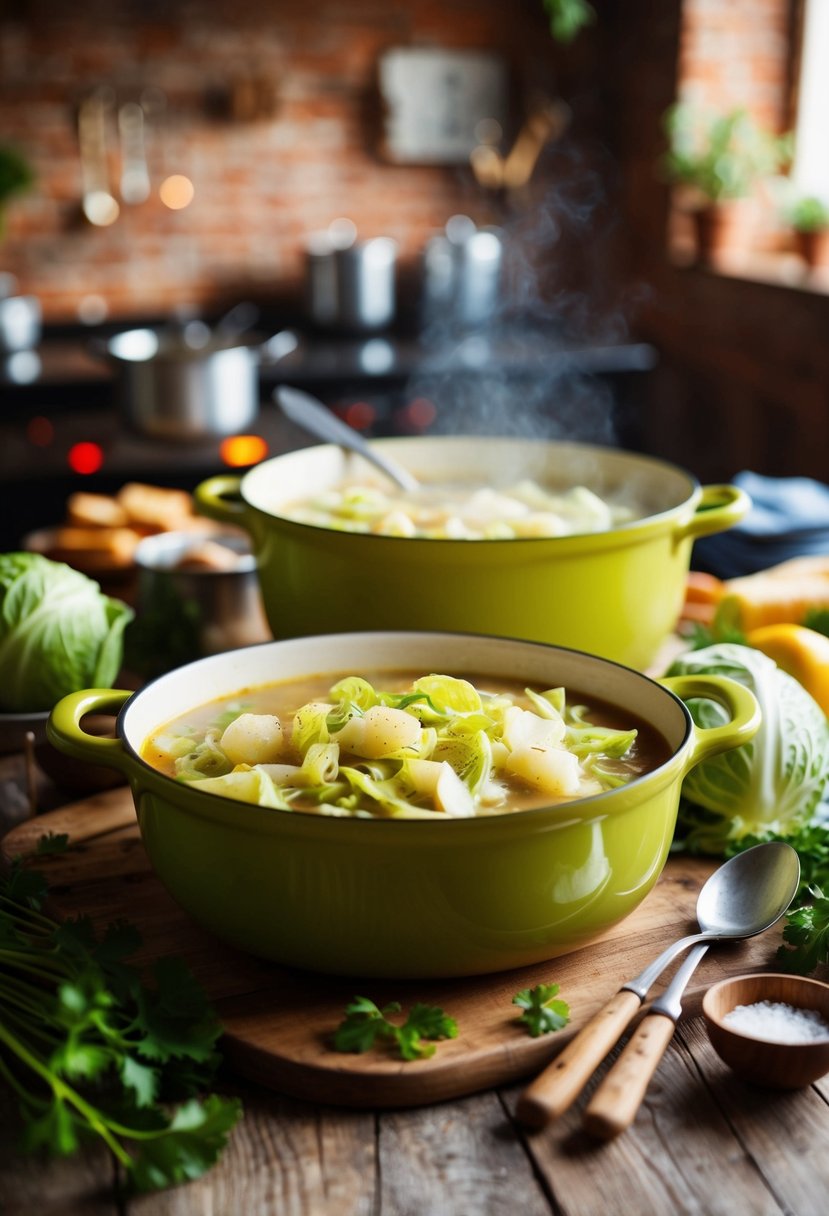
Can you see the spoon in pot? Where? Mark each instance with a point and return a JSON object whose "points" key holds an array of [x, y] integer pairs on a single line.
{"points": [[307, 412], [743, 897]]}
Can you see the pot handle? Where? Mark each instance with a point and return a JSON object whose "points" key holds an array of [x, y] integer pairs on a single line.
{"points": [[219, 498], [64, 730], [739, 702], [719, 507]]}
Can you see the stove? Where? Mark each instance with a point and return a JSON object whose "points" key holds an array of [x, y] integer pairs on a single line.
{"points": [[61, 430]]}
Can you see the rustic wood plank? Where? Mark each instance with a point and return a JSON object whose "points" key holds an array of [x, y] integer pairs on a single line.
{"points": [[81, 1185], [456, 1160], [679, 1157], [284, 1158], [786, 1132]]}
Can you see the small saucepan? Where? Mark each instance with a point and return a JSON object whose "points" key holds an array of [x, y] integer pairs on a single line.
{"points": [[169, 388]]}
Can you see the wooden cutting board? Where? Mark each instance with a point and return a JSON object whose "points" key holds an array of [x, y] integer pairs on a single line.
{"points": [[278, 1021]]}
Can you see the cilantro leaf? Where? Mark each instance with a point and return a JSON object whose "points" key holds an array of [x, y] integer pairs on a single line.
{"points": [[807, 935], [365, 1024], [542, 1013], [189, 1145], [817, 619], [52, 842], [425, 1024], [24, 886]]}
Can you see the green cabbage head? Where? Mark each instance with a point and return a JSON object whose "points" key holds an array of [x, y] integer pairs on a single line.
{"points": [[775, 782], [58, 633]]}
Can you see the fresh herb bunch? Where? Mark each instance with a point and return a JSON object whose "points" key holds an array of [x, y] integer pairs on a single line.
{"points": [[364, 1024], [542, 1013], [92, 1052]]}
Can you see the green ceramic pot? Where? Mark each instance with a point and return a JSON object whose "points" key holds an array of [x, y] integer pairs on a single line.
{"points": [[616, 593], [406, 897]]}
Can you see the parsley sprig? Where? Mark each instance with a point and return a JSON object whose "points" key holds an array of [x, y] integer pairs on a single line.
{"points": [[542, 1012], [364, 1024], [92, 1052]]}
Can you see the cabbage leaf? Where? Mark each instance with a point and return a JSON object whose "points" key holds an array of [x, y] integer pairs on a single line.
{"points": [[58, 633], [773, 783]]}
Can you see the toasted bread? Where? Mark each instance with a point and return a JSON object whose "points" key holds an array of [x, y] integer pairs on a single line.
{"points": [[154, 507], [84, 510]]}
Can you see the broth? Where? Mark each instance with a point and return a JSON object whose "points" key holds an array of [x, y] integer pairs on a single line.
{"points": [[460, 512], [404, 745]]}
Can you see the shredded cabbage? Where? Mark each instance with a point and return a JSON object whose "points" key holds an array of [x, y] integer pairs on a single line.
{"points": [[450, 757]]}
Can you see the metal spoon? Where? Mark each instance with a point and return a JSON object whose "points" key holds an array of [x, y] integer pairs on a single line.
{"points": [[307, 412], [744, 897]]}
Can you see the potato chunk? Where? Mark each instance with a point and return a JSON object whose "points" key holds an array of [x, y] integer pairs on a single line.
{"points": [[549, 769], [387, 730], [253, 739]]}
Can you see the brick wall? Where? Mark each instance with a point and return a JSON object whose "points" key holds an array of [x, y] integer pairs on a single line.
{"points": [[261, 184], [736, 53]]}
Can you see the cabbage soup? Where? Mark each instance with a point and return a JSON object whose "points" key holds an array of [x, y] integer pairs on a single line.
{"points": [[460, 512], [405, 745]]}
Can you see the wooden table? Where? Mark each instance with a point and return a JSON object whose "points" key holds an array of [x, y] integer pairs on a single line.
{"points": [[703, 1143]]}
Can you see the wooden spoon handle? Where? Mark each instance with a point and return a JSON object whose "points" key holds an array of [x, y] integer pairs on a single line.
{"points": [[614, 1105], [555, 1089]]}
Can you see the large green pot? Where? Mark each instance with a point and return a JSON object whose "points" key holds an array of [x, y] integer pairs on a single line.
{"points": [[615, 593], [406, 897]]}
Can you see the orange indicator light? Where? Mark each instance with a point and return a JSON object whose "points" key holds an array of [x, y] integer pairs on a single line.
{"points": [[241, 450]]}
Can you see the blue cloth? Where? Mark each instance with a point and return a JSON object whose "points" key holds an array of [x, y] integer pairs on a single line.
{"points": [[789, 518]]}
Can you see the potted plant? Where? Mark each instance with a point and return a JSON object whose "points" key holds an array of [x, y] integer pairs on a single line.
{"points": [[719, 160], [809, 219], [15, 177]]}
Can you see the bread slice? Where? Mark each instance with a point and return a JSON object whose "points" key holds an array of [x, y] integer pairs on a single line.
{"points": [[84, 510]]}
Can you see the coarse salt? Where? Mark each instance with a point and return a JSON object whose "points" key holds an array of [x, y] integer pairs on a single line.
{"points": [[776, 1022]]}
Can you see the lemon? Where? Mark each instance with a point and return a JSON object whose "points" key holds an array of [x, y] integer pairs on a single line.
{"points": [[802, 652]]}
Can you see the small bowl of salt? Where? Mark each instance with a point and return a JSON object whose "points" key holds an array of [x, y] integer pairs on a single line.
{"points": [[770, 1029]]}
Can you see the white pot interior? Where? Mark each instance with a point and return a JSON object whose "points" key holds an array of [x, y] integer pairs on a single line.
{"points": [[650, 486]]}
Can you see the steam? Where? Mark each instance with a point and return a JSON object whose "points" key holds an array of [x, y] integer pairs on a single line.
{"points": [[521, 373]]}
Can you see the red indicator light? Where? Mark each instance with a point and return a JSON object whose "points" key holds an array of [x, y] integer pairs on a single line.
{"points": [[85, 457], [360, 415], [422, 412], [241, 450], [40, 431]]}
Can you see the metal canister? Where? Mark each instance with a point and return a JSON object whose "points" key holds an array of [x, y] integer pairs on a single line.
{"points": [[187, 607]]}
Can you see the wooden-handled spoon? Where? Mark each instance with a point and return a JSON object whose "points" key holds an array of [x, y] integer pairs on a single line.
{"points": [[743, 897]]}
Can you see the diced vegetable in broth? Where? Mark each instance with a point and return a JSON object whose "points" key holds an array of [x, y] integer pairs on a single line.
{"points": [[460, 512], [404, 746]]}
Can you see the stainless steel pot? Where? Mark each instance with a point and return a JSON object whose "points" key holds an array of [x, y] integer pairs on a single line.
{"points": [[350, 284], [20, 323], [461, 274], [168, 389]]}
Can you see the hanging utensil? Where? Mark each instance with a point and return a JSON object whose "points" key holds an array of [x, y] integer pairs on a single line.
{"points": [[98, 203], [744, 897], [135, 177]]}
